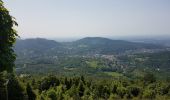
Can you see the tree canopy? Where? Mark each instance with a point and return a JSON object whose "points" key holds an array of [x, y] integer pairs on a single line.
{"points": [[7, 56], [7, 38]]}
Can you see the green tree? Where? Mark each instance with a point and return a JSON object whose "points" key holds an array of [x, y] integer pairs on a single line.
{"points": [[30, 92], [48, 82], [149, 94], [52, 94], [81, 89], [73, 91], [121, 91], [7, 39], [134, 90], [15, 89]]}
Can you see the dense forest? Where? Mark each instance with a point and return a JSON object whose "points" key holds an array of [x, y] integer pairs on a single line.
{"points": [[87, 88], [87, 69]]}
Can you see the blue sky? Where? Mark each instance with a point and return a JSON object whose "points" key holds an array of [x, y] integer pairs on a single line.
{"points": [[81, 18]]}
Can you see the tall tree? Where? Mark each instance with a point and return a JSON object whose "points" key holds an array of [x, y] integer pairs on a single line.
{"points": [[30, 92], [7, 38]]}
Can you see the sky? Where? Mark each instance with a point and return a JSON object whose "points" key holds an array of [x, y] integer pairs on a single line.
{"points": [[90, 18]]}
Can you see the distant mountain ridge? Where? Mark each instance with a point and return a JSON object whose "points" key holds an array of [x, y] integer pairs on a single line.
{"points": [[88, 45], [113, 43], [36, 43], [35, 46]]}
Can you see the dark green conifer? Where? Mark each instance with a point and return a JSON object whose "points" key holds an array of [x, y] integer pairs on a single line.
{"points": [[30, 92]]}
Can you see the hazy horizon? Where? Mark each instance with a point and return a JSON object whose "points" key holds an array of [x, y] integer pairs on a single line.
{"points": [[91, 18], [132, 39]]}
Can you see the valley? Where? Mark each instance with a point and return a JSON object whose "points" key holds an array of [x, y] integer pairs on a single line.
{"points": [[99, 57]]}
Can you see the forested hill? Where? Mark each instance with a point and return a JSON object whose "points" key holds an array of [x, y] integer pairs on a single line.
{"points": [[37, 47], [89, 45], [38, 43], [107, 46]]}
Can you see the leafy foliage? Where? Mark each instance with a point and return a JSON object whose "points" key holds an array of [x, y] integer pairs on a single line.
{"points": [[15, 89], [7, 39], [80, 88]]}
